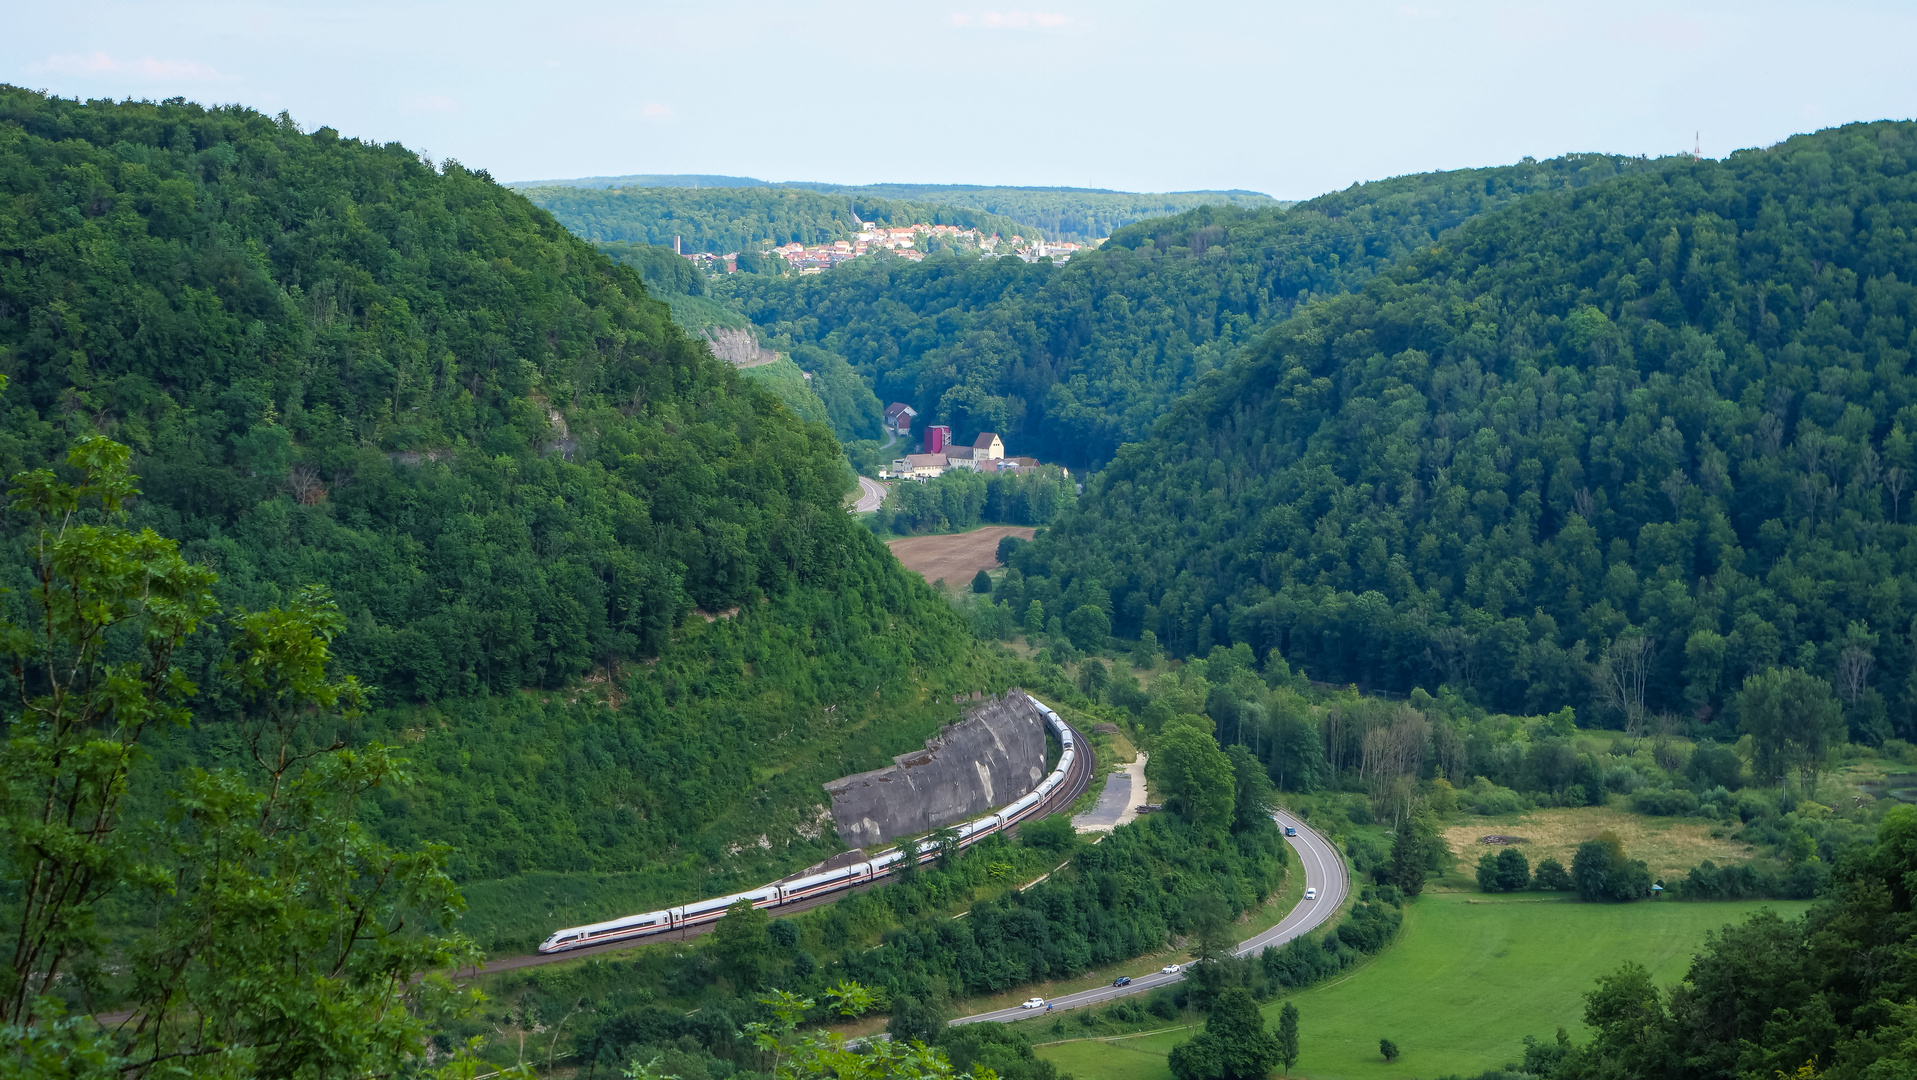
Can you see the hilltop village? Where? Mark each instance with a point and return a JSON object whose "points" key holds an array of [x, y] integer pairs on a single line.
{"points": [[910, 242]]}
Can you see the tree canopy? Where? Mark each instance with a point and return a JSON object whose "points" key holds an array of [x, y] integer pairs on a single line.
{"points": [[1614, 447], [254, 929], [338, 364], [1068, 362]]}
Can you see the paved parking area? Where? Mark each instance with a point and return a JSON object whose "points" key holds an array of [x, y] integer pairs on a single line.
{"points": [[1118, 803]]}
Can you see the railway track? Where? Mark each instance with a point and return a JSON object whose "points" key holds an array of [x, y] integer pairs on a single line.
{"points": [[1078, 780]]}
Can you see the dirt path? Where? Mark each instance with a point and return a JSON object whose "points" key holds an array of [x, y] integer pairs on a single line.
{"points": [[956, 557]]}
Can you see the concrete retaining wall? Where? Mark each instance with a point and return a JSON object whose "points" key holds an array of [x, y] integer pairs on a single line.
{"points": [[991, 758]]}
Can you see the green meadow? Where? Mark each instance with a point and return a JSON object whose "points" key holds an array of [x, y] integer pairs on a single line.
{"points": [[1469, 977]]}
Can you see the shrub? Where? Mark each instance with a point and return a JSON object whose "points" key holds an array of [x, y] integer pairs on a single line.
{"points": [[1601, 871], [1053, 834], [1504, 871], [1485, 797], [1712, 766], [1514, 870], [1370, 927], [1161, 1006], [981, 582], [1299, 962], [1007, 546], [1623, 779], [1551, 877], [1488, 872], [1663, 802]]}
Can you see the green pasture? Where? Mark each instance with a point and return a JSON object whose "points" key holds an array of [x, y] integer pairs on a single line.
{"points": [[1469, 977]]}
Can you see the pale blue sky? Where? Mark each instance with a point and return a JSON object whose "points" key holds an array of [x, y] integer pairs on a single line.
{"points": [[1288, 98]]}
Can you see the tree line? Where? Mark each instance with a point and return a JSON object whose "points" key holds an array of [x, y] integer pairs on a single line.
{"points": [[962, 499]]}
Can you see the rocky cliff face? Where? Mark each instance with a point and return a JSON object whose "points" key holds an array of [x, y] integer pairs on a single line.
{"points": [[737, 347], [995, 755]]}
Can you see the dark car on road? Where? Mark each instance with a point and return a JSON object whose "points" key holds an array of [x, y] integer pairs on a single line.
{"points": [[1291, 830], [1122, 980]]}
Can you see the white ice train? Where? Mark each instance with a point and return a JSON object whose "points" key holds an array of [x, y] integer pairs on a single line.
{"points": [[826, 881]]}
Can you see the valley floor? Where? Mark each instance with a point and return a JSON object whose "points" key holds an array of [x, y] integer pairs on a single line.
{"points": [[954, 557], [1469, 977]]}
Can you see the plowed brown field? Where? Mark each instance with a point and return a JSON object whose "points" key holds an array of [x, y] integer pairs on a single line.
{"points": [[956, 557]]}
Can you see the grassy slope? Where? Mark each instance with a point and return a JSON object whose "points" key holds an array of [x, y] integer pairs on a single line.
{"points": [[1469, 978], [785, 379]]}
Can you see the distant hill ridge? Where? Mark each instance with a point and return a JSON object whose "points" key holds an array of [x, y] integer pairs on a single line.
{"points": [[1061, 213], [1240, 196]]}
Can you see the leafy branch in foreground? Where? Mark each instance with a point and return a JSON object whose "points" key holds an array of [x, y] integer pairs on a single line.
{"points": [[799, 1056], [253, 929]]}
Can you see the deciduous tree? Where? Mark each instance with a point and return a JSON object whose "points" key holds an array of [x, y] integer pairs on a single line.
{"points": [[1794, 723], [257, 928]]}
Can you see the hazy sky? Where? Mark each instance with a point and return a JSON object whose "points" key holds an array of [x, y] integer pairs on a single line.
{"points": [[1288, 98]]}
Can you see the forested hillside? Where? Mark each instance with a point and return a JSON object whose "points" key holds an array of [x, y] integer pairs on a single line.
{"points": [[1078, 214], [723, 220], [849, 407], [1616, 447], [603, 588], [1069, 362]]}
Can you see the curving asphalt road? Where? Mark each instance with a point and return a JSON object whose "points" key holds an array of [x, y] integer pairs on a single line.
{"points": [[871, 496], [1324, 871]]}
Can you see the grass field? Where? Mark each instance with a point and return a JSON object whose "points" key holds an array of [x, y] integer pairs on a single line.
{"points": [[1469, 977], [1669, 845]]}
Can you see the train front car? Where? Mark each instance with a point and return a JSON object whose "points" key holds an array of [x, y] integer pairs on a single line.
{"points": [[632, 926]]}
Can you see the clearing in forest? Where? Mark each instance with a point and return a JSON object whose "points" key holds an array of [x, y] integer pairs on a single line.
{"points": [[955, 557], [1469, 977], [1669, 846]]}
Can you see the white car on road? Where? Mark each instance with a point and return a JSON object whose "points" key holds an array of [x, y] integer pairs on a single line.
{"points": [[1170, 969], [1311, 894], [1033, 1003]]}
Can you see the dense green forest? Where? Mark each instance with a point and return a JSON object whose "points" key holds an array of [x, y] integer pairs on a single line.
{"points": [[1061, 213], [850, 408], [1616, 448], [1069, 362], [601, 587], [723, 220]]}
